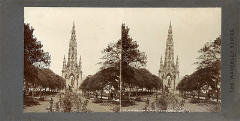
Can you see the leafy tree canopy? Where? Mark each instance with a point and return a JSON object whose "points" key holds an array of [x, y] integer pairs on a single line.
{"points": [[127, 49], [33, 52], [125, 52], [34, 61], [131, 55], [208, 71], [44, 78], [98, 81], [141, 78]]}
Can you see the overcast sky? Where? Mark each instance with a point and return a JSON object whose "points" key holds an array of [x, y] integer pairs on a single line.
{"points": [[96, 27]]}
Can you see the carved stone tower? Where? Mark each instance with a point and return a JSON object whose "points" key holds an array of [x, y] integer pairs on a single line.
{"points": [[169, 70], [72, 71]]}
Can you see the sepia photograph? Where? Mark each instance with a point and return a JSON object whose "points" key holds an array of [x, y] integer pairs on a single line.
{"points": [[83, 59], [171, 60]]}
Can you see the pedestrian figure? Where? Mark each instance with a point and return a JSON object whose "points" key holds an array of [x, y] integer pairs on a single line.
{"points": [[51, 104], [153, 106], [147, 105], [111, 95], [79, 105], [208, 95], [84, 106], [96, 95], [57, 107], [182, 102], [147, 102]]}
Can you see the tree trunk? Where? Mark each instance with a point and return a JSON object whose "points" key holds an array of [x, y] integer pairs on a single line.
{"points": [[130, 90], [101, 93], [217, 90], [198, 93], [45, 92], [136, 92]]}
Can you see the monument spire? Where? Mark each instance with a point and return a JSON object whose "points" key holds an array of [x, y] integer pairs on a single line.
{"points": [[71, 71], [72, 52], [80, 63], [169, 52], [170, 28], [64, 60], [169, 68], [161, 61], [64, 64], [177, 64]]}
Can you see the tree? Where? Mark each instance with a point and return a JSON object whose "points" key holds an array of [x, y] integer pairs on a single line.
{"points": [[140, 78], [131, 55], [33, 54], [36, 61], [132, 60], [102, 79], [111, 56], [125, 52], [128, 49], [211, 58], [210, 54], [51, 80], [208, 72]]}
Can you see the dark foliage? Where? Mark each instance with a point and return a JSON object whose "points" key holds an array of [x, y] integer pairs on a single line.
{"points": [[131, 55], [34, 61], [208, 72], [141, 78], [33, 53], [98, 81]]}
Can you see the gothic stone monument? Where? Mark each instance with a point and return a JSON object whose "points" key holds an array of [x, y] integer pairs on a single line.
{"points": [[71, 70], [169, 70]]}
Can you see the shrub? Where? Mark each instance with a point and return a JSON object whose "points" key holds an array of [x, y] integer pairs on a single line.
{"points": [[67, 104], [161, 103]]}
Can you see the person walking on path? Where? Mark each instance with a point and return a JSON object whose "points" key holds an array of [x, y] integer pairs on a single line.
{"points": [[51, 104]]}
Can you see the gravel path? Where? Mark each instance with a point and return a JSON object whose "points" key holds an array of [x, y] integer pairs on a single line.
{"points": [[195, 107], [138, 107], [99, 107], [190, 107], [40, 108], [93, 107]]}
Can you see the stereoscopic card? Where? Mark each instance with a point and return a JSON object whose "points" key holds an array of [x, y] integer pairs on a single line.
{"points": [[119, 60]]}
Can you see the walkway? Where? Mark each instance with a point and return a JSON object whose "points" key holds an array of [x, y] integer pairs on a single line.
{"points": [[93, 107], [42, 107]]}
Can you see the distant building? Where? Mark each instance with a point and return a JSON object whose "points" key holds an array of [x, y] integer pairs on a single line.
{"points": [[169, 70], [72, 71]]}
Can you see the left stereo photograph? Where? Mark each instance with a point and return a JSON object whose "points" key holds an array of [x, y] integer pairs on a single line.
{"points": [[67, 63]]}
